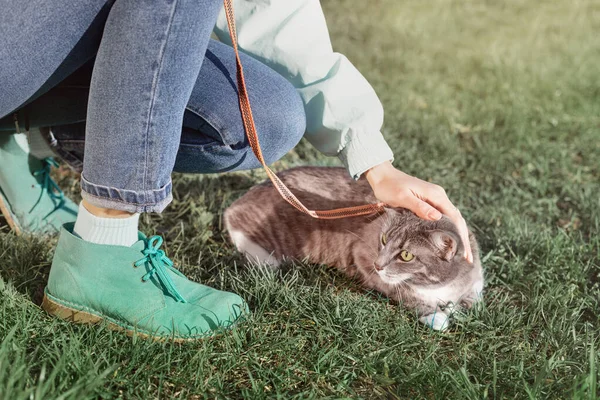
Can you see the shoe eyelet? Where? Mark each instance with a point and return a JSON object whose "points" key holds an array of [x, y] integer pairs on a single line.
{"points": [[134, 266]]}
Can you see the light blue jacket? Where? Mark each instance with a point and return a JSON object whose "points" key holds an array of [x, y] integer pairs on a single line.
{"points": [[344, 115]]}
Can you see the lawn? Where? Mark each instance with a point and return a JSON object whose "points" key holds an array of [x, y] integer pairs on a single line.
{"points": [[497, 101]]}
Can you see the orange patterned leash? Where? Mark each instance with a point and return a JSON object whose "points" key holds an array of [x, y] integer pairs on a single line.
{"points": [[250, 128]]}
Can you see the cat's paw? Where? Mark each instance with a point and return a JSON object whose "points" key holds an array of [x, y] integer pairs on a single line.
{"points": [[438, 321]]}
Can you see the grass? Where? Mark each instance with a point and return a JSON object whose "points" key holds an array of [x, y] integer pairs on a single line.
{"points": [[497, 101]]}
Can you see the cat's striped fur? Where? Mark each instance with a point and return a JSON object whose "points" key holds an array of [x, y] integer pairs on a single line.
{"points": [[267, 229]]}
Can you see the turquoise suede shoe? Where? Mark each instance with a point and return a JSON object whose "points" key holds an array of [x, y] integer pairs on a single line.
{"points": [[135, 289], [30, 200]]}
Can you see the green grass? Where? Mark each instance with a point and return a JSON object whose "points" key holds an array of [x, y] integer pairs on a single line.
{"points": [[497, 101]]}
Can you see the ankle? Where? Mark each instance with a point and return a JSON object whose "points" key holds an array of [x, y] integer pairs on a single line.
{"points": [[105, 226], [105, 212]]}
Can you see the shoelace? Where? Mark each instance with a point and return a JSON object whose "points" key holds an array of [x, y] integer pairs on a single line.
{"points": [[48, 185], [159, 266]]}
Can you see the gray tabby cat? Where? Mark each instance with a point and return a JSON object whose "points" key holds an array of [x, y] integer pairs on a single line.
{"points": [[414, 262]]}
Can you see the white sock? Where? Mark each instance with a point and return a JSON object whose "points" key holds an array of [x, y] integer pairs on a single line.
{"points": [[21, 140], [113, 231], [34, 144], [38, 147]]}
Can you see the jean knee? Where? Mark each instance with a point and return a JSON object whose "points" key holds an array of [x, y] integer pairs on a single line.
{"points": [[287, 126]]}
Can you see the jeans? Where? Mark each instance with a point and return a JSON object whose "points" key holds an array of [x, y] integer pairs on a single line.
{"points": [[161, 96]]}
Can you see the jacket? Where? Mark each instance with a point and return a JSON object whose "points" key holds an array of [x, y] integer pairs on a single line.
{"points": [[344, 115]]}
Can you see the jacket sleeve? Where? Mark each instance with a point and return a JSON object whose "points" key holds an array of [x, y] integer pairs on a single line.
{"points": [[344, 115]]}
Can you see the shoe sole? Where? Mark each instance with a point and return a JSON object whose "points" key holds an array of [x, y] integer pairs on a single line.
{"points": [[83, 317], [8, 215]]}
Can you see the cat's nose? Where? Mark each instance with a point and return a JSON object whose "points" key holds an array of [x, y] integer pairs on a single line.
{"points": [[377, 266]]}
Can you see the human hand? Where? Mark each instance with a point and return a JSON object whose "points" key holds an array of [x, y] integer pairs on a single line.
{"points": [[426, 200]]}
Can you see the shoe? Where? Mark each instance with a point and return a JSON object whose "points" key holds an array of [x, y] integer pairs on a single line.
{"points": [[135, 289], [30, 200]]}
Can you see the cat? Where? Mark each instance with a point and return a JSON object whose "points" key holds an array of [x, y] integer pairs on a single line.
{"points": [[414, 262]]}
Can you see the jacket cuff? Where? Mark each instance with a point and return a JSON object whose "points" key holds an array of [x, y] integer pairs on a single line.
{"points": [[364, 151]]}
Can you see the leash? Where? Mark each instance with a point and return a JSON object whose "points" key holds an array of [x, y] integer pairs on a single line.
{"points": [[250, 129]]}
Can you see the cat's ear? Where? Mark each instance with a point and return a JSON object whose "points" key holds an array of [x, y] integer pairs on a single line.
{"points": [[445, 244]]}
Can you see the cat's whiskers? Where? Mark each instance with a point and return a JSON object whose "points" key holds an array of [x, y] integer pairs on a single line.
{"points": [[397, 288], [372, 272]]}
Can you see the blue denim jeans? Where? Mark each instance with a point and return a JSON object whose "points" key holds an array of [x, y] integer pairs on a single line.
{"points": [[161, 95]]}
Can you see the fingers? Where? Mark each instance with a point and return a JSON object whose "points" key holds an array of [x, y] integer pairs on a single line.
{"points": [[422, 209], [426, 200], [438, 198]]}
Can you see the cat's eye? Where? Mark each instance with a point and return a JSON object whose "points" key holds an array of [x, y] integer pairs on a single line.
{"points": [[383, 239], [406, 256]]}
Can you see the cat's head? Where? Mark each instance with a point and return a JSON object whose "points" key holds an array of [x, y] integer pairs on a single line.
{"points": [[427, 257]]}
